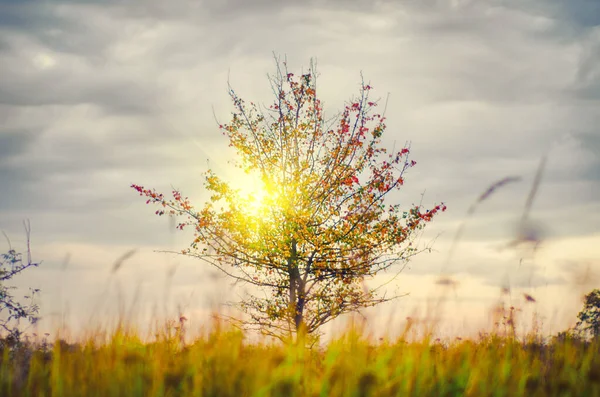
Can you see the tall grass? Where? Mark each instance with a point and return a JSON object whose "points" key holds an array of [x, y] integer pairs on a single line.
{"points": [[222, 363]]}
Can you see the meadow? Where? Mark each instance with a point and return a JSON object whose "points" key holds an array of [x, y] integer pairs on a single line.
{"points": [[222, 360], [223, 363]]}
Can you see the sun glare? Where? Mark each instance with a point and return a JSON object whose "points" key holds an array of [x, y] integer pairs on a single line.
{"points": [[254, 193]]}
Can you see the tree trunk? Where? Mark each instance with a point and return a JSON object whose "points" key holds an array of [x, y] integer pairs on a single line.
{"points": [[297, 292]]}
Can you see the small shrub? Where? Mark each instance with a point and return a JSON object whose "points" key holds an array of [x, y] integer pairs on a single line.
{"points": [[12, 311]]}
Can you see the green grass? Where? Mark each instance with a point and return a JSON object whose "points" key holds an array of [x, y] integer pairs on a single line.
{"points": [[222, 363]]}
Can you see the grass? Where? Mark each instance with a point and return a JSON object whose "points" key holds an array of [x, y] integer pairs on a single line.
{"points": [[222, 363]]}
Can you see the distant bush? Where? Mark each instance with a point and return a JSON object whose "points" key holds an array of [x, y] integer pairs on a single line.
{"points": [[12, 311], [589, 316]]}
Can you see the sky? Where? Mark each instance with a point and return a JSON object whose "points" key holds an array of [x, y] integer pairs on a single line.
{"points": [[97, 95]]}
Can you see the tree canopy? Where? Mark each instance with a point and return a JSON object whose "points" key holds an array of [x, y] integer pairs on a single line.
{"points": [[323, 223]]}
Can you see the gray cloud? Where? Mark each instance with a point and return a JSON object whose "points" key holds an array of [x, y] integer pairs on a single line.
{"points": [[492, 87], [587, 84], [15, 142], [583, 13], [32, 79], [590, 143]]}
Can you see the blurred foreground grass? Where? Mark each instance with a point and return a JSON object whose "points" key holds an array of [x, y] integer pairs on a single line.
{"points": [[222, 363]]}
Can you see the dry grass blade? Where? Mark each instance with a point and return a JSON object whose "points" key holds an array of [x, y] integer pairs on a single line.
{"points": [[484, 196], [490, 190], [529, 298], [119, 262], [529, 232], [534, 188]]}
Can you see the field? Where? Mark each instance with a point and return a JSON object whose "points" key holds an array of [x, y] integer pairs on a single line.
{"points": [[223, 363]]}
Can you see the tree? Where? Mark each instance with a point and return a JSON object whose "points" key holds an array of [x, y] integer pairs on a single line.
{"points": [[11, 264], [589, 316], [321, 223]]}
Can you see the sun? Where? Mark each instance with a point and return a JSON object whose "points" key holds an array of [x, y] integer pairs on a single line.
{"points": [[254, 194]]}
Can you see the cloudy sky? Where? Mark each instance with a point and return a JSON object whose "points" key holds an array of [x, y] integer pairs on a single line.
{"points": [[97, 95]]}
